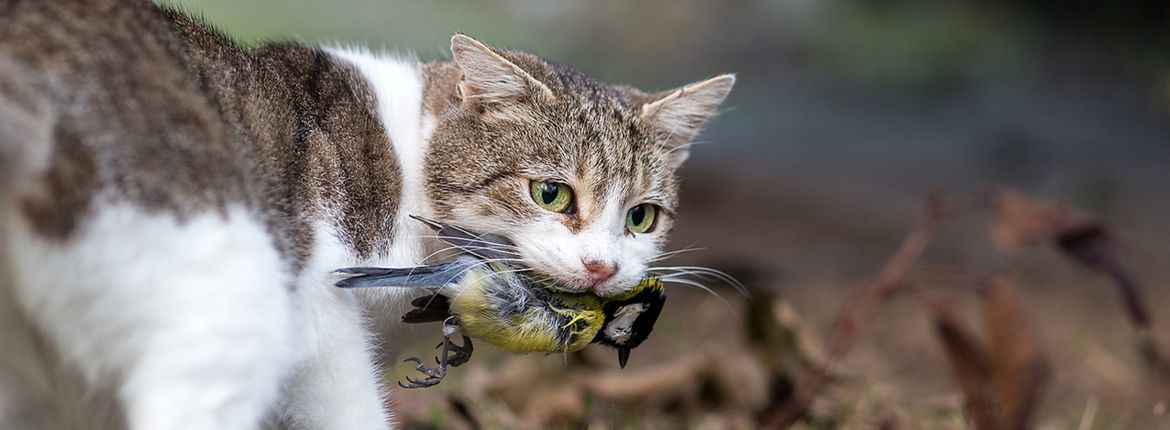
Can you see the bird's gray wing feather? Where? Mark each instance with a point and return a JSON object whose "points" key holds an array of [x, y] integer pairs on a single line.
{"points": [[483, 245], [434, 276]]}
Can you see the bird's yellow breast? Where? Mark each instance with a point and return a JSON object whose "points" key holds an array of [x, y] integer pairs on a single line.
{"points": [[567, 323]]}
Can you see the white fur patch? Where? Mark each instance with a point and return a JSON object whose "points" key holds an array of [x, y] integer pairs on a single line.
{"points": [[188, 319], [397, 85], [336, 383]]}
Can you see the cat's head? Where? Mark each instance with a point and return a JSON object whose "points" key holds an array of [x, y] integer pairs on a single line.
{"points": [[579, 174]]}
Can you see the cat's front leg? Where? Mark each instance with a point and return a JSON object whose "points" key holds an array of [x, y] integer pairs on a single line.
{"points": [[336, 384], [186, 320]]}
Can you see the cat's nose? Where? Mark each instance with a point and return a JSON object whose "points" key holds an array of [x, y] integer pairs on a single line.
{"points": [[599, 271]]}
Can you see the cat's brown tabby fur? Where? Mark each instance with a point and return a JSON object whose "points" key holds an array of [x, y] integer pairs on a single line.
{"points": [[172, 205]]}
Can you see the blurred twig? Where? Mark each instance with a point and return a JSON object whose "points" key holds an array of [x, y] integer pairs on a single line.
{"points": [[857, 314], [1022, 222], [1001, 380]]}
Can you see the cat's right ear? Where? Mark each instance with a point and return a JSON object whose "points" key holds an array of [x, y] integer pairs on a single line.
{"points": [[490, 83], [679, 114]]}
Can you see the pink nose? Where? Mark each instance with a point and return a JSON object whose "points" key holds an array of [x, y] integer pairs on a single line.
{"points": [[599, 272]]}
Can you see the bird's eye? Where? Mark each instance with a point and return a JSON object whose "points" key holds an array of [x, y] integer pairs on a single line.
{"points": [[553, 196], [641, 218]]}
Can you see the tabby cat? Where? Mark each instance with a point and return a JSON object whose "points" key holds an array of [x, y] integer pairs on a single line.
{"points": [[172, 206]]}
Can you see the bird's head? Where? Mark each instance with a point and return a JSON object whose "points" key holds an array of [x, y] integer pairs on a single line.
{"points": [[629, 319]]}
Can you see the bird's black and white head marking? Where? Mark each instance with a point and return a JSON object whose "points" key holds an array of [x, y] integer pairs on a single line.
{"points": [[629, 322]]}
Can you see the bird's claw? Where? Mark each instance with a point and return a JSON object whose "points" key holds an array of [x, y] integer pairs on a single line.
{"points": [[450, 354], [427, 370], [434, 375], [419, 383], [457, 354]]}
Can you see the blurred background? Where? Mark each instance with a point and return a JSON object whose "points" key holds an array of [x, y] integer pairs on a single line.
{"points": [[846, 113]]}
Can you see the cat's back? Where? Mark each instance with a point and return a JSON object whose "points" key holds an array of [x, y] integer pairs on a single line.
{"points": [[109, 107], [128, 237]]}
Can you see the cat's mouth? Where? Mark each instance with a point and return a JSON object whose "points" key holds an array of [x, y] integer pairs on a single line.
{"points": [[541, 281], [497, 248], [609, 288], [551, 283]]}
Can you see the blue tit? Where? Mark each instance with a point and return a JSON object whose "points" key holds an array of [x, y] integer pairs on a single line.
{"points": [[486, 296]]}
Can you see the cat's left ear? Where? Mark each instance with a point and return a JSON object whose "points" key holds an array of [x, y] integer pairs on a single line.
{"points": [[492, 83], [679, 114]]}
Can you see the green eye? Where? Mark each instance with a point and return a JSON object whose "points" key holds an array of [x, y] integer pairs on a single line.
{"points": [[554, 196], [640, 218]]}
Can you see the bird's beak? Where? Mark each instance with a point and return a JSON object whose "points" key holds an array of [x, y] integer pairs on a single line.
{"points": [[623, 357]]}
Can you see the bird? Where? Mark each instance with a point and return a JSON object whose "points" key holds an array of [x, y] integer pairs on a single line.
{"points": [[484, 294]]}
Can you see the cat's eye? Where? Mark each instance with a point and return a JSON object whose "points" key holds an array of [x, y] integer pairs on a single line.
{"points": [[642, 218], [553, 196]]}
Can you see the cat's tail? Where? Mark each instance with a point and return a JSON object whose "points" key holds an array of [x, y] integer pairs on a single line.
{"points": [[26, 126]]}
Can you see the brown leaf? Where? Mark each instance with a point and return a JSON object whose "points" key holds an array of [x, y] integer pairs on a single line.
{"points": [[1017, 365], [1022, 222], [971, 367]]}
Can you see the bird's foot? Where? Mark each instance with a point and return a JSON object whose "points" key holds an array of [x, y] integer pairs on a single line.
{"points": [[450, 354], [457, 355], [434, 375]]}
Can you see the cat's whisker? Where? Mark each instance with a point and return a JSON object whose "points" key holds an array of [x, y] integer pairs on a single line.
{"points": [[669, 254], [709, 277], [511, 270], [721, 275], [506, 272], [692, 283], [687, 248], [487, 245], [440, 251], [448, 248], [469, 249], [481, 263], [707, 272]]}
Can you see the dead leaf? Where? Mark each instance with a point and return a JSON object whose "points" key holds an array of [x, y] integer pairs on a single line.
{"points": [[971, 367], [1023, 222], [1018, 369]]}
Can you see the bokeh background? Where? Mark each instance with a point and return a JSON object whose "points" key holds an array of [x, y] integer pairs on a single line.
{"points": [[846, 113]]}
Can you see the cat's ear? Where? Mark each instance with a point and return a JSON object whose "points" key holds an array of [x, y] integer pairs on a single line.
{"points": [[679, 114], [490, 81]]}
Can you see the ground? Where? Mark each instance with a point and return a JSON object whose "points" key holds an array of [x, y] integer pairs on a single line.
{"points": [[811, 245]]}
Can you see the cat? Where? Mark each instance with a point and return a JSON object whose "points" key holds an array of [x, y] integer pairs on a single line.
{"points": [[172, 206]]}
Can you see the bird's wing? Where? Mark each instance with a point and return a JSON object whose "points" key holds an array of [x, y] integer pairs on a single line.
{"points": [[434, 276], [483, 245], [432, 308]]}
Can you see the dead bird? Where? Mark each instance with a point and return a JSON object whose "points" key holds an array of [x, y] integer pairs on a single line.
{"points": [[484, 295]]}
